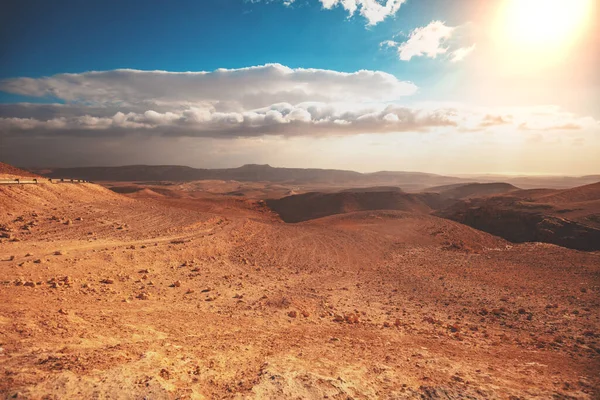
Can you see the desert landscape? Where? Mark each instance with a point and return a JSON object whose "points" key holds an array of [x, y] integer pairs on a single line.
{"points": [[300, 199], [187, 290]]}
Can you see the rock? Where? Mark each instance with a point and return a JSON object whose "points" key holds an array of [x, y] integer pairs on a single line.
{"points": [[165, 374], [305, 314], [11, 258], [176, 284], [292, 314], [397, 323], [144, 271], [29, 283], [107, 281], [338, 318], [28, 255], [522, 311], [37, 261], [189, 291], [59, 253], [351, 318], [387, 325], [63, 311], [143, 296], [78, 219], [68, 222]]}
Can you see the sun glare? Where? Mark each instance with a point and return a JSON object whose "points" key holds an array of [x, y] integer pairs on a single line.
{"points": [[542, 26]]}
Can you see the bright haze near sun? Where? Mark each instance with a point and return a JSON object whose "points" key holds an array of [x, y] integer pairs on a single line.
{"points": [[466, 86]]}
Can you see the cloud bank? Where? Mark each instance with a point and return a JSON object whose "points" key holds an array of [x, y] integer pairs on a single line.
{"points": [[247, 102], [252, 86]]}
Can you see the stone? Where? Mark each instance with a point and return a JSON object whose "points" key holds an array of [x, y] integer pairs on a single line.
{"points": [[351, 318], [144, 296]]}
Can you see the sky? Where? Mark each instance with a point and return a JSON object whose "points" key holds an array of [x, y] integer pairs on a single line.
{"points": [[450, 87]]}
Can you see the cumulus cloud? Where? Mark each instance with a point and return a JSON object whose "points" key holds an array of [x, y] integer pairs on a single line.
{"points": [[247, 102], [373, 11], [248, 87], [428, 41], [311, 118]]}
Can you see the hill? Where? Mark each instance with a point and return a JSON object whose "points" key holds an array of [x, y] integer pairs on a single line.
{"points": [[313, 205], [9, 172], [569, 218]]}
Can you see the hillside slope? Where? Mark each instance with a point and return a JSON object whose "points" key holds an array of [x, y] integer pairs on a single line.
{"points": [[569, 218], [313, 205], [473, 189]]}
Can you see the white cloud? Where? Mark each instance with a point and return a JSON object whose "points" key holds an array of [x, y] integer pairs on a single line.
{"points": [[460, 53], [304, 119], [248, 102], [248, 87], [429, 41], [426, 41], [373, 11]]}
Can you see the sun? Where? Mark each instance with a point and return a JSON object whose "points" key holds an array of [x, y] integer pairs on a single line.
{"points": [[542, 24]]}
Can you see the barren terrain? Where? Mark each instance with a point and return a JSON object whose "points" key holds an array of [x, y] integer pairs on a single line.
{"points": [[193, 294]]}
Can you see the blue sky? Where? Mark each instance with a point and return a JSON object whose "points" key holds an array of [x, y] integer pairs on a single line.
{"points": [[76, 36], [42, 41]]}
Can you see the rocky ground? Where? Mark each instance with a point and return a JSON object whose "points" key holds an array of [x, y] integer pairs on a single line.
{"points": [[107, 296]]}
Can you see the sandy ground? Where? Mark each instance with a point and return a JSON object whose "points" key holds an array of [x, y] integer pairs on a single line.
{"points": [[107, 296]]}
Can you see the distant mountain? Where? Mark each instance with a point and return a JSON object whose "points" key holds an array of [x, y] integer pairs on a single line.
{"points": [[408, 181], [252, 172], [467, 190], [536, 182]]}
